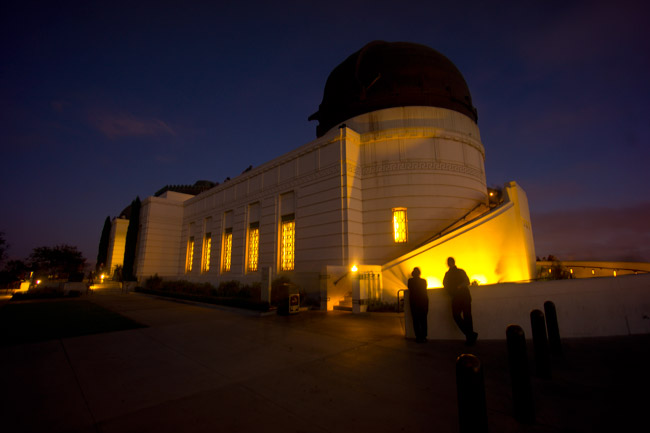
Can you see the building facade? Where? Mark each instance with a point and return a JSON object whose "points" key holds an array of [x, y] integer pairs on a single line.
{"points": [[395, 174]]}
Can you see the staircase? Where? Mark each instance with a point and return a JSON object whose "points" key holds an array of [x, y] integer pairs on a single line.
{"points": [[345, 304]]}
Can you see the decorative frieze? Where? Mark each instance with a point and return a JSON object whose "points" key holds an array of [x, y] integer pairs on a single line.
{"points": [[392, 166]]}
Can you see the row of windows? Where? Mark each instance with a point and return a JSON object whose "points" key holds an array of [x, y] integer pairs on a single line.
{"points": [[287, 244], [287, 248]]}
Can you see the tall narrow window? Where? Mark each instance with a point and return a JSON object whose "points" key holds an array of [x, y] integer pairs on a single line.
{"points": [[207, 251], [227, 250], [253, 246], [189, 258], [288, 244], [400, 230]]}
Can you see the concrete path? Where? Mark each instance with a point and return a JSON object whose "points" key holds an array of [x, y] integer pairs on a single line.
{"points": [[205, 369]]}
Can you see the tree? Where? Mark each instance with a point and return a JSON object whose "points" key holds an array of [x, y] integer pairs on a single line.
{"points": [[131, 242], [102, 253], [58, 262], [14, 270], [3, 247]]}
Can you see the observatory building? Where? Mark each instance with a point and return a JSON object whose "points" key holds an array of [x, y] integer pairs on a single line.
{"points": [[394, 179]]}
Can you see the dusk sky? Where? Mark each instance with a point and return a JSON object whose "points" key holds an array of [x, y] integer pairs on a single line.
{"points": [[105, 101]]}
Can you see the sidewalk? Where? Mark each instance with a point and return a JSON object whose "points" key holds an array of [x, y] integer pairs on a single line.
{"points": [[205, 369]]}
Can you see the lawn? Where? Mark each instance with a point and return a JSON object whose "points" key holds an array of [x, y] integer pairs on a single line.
{"points": [[28, 322]]}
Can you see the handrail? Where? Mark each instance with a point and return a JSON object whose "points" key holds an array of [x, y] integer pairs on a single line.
{"points": [[398, 302]]}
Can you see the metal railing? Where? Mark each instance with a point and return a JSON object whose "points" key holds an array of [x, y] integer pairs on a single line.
{"points": [[400, 303]]}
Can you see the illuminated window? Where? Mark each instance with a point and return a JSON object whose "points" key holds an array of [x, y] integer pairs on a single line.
{"points": [[400, 231], [253, 246], [190, 254], [227, 250], [207, 250], [288, 245]]}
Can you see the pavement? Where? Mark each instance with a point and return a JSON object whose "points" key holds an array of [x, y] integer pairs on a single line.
{"points": [[200, 368]]}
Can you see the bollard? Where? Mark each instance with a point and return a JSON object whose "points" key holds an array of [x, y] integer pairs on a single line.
{"points": [[553, 329], [522, 393], [540, 344], [472, 410]]}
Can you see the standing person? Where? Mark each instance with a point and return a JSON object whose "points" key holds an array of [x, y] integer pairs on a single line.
{"points": [[456, 284], [419, 302]]}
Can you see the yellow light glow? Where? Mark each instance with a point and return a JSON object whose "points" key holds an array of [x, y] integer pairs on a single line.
{"points": [[227, 251], [190, 254], [400, 232], [253, 248], [614, 273], [481, 279], [433, 283], [549, 271], [354, 268], [288, 245], [593, 272], [498, 246], [571, 270], [38, 282], [207, 251]]}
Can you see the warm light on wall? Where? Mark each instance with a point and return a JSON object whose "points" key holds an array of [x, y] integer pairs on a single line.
{"points": [[495, 248], [227, 251], [614, 273], [354, 268], [400, 228], [253, 248], [207, 251], [190, 254], [287, 247]]}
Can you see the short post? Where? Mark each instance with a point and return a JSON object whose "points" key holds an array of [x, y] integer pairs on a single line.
{"points": [[540, 344], [472, 409], [522, 393], [553, 329]]}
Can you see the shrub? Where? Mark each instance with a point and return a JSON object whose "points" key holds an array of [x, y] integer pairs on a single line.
{"points": [[153, 283], [382, 307]]}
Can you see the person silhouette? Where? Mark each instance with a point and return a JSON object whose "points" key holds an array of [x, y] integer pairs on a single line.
{"points": [[419, 302], [456, 284]]}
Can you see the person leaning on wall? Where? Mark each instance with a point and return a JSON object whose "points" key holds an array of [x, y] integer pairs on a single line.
{"points": [[419, 302], [456, 283]]}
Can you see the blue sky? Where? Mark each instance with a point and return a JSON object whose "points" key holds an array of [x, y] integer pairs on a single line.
{"points": [[103, 101]]}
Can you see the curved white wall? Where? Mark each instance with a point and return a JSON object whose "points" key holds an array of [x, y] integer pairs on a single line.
{"points": [[426, 159]]}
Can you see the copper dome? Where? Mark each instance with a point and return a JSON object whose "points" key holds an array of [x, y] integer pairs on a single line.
{"points": [[391, 74]]}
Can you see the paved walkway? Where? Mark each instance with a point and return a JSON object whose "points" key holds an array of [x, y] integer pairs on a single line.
{"points": [[204, 369]]}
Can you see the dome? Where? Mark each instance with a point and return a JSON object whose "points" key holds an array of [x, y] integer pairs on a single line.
{"points": [[391, 74]]}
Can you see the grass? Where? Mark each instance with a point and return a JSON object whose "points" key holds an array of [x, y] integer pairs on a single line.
{"points": [[29, 322]]}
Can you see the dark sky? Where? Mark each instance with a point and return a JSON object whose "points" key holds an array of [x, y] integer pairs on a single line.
{"points": [[105, 101]]}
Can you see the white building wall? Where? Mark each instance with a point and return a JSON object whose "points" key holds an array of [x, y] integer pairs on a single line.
{"points": [[425, 159], [159, 236], [116, 244], [593, 307]]}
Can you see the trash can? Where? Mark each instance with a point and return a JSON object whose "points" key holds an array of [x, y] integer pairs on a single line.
{"points": [[294, 303]]}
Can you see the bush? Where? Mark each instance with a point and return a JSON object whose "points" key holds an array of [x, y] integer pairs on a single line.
{"points": [[226, 289], [153, 283], [382, 307]]}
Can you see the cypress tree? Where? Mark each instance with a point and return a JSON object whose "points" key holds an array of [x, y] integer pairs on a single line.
{"points": [[131, 243], [102, 252]]}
